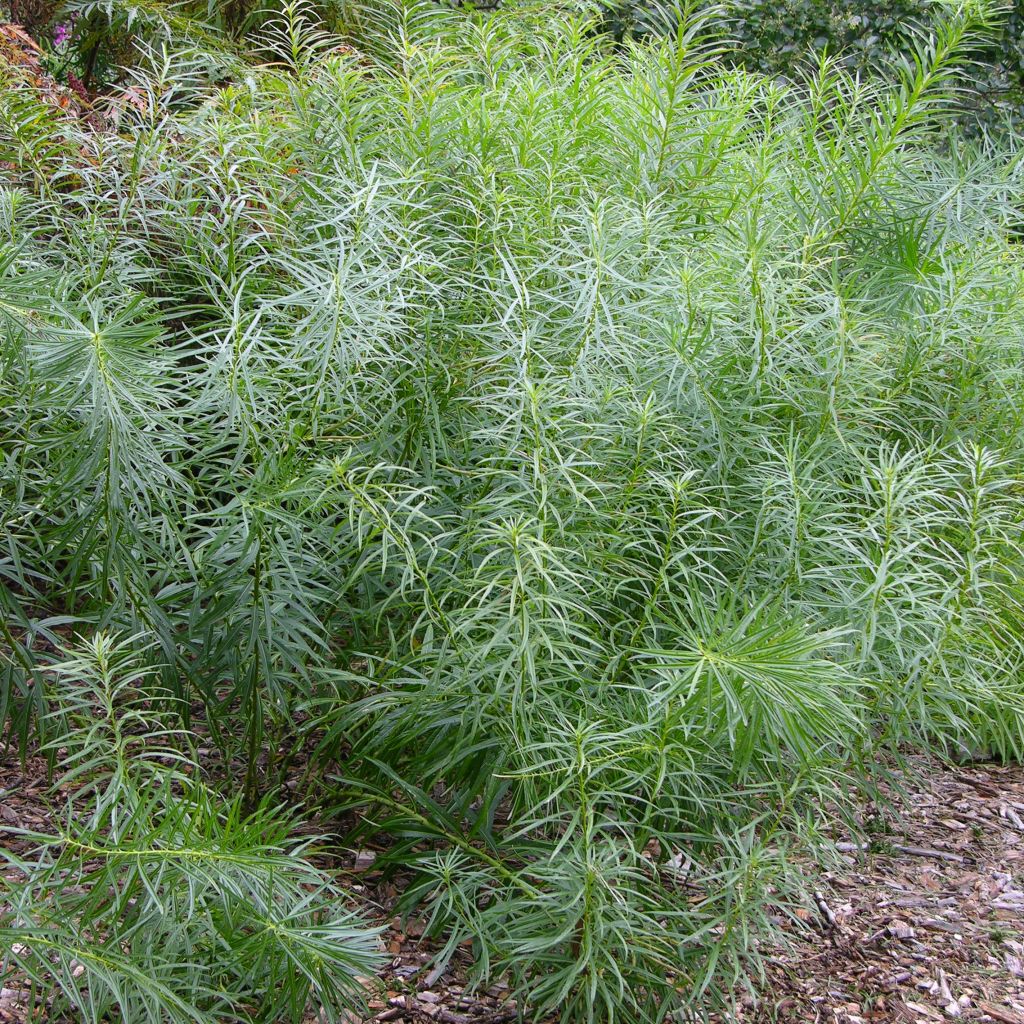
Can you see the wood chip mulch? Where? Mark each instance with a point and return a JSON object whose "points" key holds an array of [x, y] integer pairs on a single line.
{"points": [[926, 924]]}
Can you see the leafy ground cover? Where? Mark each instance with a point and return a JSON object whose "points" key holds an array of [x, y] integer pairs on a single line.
{"points": [[886, 935], [593, 465]]}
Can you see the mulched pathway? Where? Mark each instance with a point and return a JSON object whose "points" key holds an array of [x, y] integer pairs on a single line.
{"points": [[926, 924]]}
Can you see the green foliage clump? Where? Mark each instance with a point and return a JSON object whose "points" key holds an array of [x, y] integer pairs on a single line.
{"points": [[591, 453], [776, 37], [780, 37], [156, 898]]}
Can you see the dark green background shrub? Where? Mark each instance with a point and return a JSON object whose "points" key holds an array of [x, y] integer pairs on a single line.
{"points": [[777, 37]]}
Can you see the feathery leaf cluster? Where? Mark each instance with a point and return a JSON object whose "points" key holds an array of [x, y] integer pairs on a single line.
{"points": [[156, 898]]}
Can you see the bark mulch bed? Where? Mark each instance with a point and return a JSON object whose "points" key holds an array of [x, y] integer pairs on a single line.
{"points": [[927, 924]]}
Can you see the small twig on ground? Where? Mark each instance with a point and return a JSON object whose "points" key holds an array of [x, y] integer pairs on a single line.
{"points": [[910, 851], [1007, 812], [825, 910], [921, 851], [447, 1017], [1004, 1016]]}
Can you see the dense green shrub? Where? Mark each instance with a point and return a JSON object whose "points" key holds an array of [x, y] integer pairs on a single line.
{"points": [[776, 36], [781, 37], [157, 899], [773, 37], [589, 453]]}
